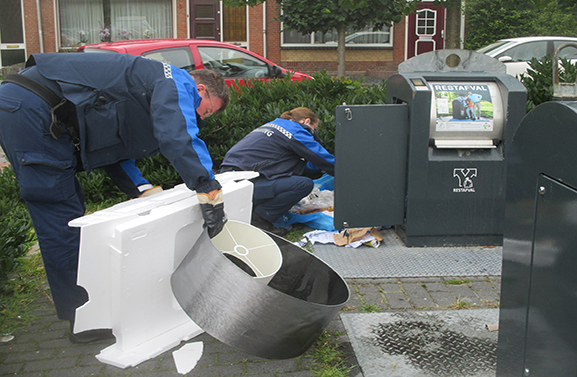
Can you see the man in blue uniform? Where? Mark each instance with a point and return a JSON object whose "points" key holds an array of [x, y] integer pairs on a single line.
{"points": [[84, 111], [280, 151], [476, 99]]}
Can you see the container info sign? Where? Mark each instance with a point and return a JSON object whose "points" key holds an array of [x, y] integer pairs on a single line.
{"points": [[463, 107]]}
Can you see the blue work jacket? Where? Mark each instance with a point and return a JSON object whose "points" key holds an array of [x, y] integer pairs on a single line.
{"points": [[278, 149], [132, 107]]}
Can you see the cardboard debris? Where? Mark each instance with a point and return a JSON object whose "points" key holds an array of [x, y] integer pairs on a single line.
{"points": [[351, 235]]}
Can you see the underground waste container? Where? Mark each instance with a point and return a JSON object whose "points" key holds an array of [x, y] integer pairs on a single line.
{"points": [[431, 162], [537, 330]]}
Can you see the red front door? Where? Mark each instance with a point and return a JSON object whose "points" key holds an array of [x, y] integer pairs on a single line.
{"points": [[205, 19], [425, 30]]}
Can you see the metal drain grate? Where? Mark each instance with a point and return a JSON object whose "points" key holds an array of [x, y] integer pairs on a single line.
{"points": [[436, 343]]}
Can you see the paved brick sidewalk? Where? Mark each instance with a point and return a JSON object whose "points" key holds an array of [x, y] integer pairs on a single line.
{"points": [[447, 293], [44, 350]]}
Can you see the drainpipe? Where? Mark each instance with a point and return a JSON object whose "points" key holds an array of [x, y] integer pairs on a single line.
{"points": [[406, 37], [40, 33], [264, 30]]}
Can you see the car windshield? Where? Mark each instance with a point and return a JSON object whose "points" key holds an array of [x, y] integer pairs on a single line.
{"points": [[491, 47], [233, 64], [524, 52], [179, 57]]}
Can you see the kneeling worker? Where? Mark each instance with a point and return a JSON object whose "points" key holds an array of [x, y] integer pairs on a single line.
{"points": [[280, 151]]}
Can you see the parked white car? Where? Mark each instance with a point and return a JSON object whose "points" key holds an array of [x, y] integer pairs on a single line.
{"points": [[516, 53]]}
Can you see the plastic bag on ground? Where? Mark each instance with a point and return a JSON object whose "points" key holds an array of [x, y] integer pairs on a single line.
{"points": [[316, 201], [326, 182], [317, 220]]}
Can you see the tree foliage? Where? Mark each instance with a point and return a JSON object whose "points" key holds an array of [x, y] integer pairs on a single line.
{"points": [[308, 16], [570, 5], [490, 20]]}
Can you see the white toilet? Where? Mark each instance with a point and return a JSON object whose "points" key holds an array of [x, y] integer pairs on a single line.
{"points": [[127, 255]]}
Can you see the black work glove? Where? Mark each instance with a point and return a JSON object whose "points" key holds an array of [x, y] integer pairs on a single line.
{"points": [[212, 212]]}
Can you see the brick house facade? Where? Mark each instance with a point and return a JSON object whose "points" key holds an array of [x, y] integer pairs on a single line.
{"points": [[263, 36]]}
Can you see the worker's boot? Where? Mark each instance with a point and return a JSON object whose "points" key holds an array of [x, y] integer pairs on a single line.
{"points": [[263, 224]]}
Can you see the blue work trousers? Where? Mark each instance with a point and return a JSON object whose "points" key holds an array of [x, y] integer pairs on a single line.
{"points": [[45, 169], [273, 198]]}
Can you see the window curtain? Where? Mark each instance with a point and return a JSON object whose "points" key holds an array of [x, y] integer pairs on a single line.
{"points": [[234, 19], [85, 21], [80, 22], [132, 19]]}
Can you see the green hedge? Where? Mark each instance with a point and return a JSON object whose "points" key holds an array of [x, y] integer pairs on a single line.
{"points": [[253, 106], [16, 233]]}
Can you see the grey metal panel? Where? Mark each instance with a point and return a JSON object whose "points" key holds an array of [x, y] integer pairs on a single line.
{"points": [[445, 210], [370, 168], [543, 143], [551, 347]]}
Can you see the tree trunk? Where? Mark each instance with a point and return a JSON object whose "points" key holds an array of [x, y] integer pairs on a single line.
{"points": [[453, 27], [341, 51]]}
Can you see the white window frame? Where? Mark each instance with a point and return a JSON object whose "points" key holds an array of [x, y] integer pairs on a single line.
{"points": [[425, 38], [425, 12]]}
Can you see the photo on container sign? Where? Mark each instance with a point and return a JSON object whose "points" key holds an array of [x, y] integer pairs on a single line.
{"points": [[463, 107]]}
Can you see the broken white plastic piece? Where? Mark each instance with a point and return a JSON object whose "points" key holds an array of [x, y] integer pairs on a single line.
{"points": [[492, 326], [187, 356], [127, 255]]}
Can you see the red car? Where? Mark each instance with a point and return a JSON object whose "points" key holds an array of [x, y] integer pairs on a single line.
{"points": [[232, 62]]}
